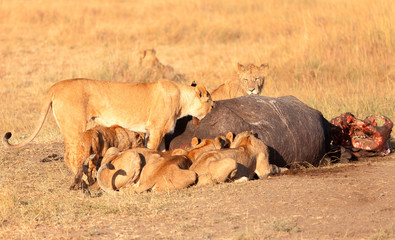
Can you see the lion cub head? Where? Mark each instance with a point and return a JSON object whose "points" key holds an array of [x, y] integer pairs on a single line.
{"points": [[199, 146], [252, 77]]}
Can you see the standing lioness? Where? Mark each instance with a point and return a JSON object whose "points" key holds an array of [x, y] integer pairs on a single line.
{"points": [[141, 107]]}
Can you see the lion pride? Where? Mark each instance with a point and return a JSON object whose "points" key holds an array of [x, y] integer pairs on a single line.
{"points": [[152, 108]]}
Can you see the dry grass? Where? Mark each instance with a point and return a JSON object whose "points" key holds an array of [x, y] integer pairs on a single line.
{"points": [[336, 56], [384, 233]]}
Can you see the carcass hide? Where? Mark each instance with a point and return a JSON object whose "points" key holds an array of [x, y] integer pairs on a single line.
{"points": [[294, 132]]}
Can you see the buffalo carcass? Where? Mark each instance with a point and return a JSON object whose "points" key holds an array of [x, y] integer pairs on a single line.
{"points": [[362, 138], [293, 131]]}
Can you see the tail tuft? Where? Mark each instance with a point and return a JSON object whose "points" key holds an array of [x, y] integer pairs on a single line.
{"points": [[7, 136]]}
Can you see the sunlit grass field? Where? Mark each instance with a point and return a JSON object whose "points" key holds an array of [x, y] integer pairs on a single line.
{"points": [[336, 56]]}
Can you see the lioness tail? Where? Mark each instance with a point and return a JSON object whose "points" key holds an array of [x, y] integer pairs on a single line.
{"points": [[44, 112]]}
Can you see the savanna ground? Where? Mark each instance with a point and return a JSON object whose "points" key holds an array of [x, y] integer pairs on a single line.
{"points": [[335, 56]]}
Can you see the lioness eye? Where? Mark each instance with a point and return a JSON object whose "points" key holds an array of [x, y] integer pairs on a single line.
{"points": [[246, 80], [256, 79]]}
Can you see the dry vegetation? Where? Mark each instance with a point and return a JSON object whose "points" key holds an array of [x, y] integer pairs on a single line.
{"points": [[336, 56]]}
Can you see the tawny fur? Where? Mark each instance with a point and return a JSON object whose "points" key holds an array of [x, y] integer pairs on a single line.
{"points": [[152, 108], [166, 173], [160, 171], [200, 146], [151, 63], [98, 140], [246, 157], [119, 169], [249, 82]]}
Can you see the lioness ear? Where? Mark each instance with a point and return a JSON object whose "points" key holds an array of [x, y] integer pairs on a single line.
{"points": [[153, 52], [240, 68], [264, 68], [229, 137], [223, 141], [194, 141], [92, 156], [251, 133], [200, 91]]}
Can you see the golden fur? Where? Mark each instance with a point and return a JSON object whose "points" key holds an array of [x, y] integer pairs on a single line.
{"points": [[250, 82], [200, 146], [98, 140], [151, 63], [159, 171], [246, 156], [166, 173], [152, 108], [119, 169]]}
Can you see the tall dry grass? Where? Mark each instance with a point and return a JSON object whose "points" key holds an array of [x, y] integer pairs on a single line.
{"points": [[336, 56]]}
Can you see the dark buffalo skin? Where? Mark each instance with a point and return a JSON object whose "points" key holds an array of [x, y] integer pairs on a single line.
{"points": [[294, 132]]}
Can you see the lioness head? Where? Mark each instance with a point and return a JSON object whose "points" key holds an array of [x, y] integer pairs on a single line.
{"points": [[241, 139], [148, 58], [202, 103], [152, 65], [252, 77]]}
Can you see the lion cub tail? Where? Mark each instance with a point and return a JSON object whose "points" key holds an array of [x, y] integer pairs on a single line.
{"points": [[44, 112]]}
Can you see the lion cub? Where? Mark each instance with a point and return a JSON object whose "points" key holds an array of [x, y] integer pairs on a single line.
{"points": [[162, 173], [144, 169], [246, 157], [199, 146], [98, 140], [119, 169], [250, 82]]}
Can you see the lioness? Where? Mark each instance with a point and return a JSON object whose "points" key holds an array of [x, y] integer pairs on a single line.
{"points": [[246, 156], [152, 108], [150, 62], [98, 140], [160, 171], [250, 82]]}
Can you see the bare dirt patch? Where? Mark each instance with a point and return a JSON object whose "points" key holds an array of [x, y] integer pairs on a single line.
{"points": [[345, 201]]}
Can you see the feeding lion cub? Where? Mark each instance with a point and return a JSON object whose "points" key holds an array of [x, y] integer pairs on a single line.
{"points": [[250, 82], [145, 170], [152, 108], [98, 140], [246, 157]]}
